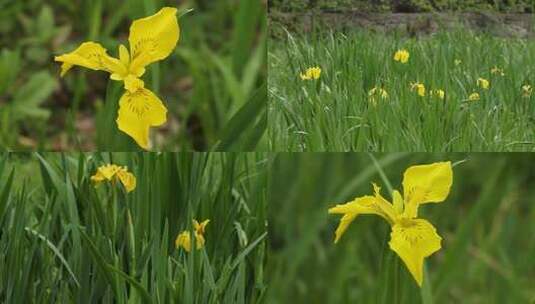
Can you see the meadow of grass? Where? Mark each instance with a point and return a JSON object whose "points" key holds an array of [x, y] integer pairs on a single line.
{"points": [[62, 240], [213, 84], [487, 225], [334, 112]]}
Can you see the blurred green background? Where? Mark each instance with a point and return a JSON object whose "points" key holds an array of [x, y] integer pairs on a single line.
{"points": [[216, 72], [515, 6], [487, 224]]}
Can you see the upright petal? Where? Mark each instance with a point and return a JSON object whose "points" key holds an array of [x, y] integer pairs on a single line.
{"points": [[414, 240], [138, 111], [426, 184], [360, 205], [90, 55], [153, 38]]}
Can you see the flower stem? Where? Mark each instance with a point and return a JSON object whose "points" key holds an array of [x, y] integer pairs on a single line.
{"points": [[426, 291]]}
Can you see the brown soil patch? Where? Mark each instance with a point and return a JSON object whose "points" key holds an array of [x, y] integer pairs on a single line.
{"points": [[504, 25]]}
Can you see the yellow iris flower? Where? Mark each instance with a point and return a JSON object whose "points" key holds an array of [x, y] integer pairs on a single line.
{"points": [[377, 92], [402, 56], [457, 62], [483, 83], [184, 238], [412, 238], [497, 71], [419, 88], [112, 173], [438, 93], [151, 39], [527, 90], [473, 97], [312, 73]]}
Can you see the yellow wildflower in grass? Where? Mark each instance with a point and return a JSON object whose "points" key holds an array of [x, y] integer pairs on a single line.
{"points": [[375, 93], [474, 97], [419, 88], [412, 238], [184, 238], [438, 93], [457, 62], [497, 71], [527, 90], [402, 56], [311, 73], [483, 83], [151, 39], [112, 173]]}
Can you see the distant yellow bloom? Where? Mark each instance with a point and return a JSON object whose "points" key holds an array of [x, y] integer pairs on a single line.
{"points": [[151, 39], [311, 73], [527, 90], [457, 61], [112, 173], [497, 71], [474, 97], [375, 93], [419, 88], [438, 93], [412, 238], [184, 238], [483, 83], [402, 56]]}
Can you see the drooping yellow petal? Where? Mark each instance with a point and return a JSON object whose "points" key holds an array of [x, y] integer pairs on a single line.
{"points": [[414, 240], [138, 111], [183, 240], [127, 179], [426, 184], [361, 205], [90, 55], [153, 38], [199, 240]]}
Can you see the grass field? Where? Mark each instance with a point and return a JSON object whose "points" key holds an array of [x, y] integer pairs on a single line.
{"points": [[337, 113], [213, 78], [486, 224], [63, 240]]}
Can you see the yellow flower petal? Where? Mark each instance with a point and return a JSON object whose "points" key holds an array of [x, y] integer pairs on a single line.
{"points": [[138, 112], [132, 83], [483, 83], [361, 205], [426, 184], [200, 227], [124, 56], [402, 56], [127, 179], [90, 55], [153, 38], [413, 241], [183, 240]]}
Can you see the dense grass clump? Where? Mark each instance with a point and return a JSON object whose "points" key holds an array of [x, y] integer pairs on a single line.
{"points": [[63, 240], [337, 113]]}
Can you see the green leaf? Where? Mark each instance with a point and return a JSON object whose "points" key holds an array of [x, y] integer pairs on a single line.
{"points": [[237, 129], [27, 99]]}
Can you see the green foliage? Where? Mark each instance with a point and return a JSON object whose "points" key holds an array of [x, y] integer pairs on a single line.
{"points": [[63, 240], [334, 113], [486, 224]]}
